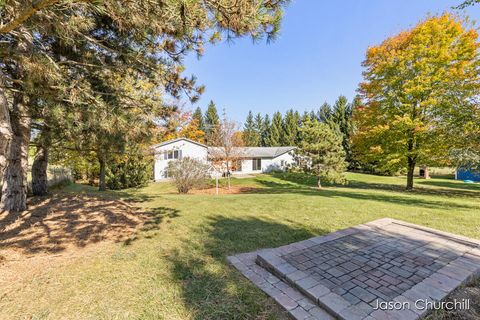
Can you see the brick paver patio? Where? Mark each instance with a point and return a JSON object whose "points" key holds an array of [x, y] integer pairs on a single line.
{"points": [[346, 274]]}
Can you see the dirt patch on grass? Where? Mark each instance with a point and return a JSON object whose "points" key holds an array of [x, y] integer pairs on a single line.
{"points": [[470, 292], [66, 222], [225, 190]]}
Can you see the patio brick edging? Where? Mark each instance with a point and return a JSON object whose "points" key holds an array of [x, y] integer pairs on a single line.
{"points": [[290, 299], [287, 277]]}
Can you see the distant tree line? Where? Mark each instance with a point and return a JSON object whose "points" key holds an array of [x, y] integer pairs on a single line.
{"points": [[286, 129]]}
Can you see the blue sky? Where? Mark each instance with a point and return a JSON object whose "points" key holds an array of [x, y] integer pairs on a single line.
{"points": [[316, 57]]}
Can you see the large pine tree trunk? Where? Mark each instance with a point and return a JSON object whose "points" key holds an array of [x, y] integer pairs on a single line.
{"points": [[14, 189], [5, 130], [40, 164], [39, 172], [14, 192], [101, 184]]}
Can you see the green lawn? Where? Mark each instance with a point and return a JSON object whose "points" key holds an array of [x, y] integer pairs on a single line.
{"points": [[176, 268]]}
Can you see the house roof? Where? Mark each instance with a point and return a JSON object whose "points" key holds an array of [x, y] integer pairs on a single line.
{"points": [[247, 152], [261, 152], [176, 140]]}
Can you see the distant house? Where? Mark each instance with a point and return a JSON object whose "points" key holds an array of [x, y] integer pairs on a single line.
{"points": [[253, 159], [467, 174]]}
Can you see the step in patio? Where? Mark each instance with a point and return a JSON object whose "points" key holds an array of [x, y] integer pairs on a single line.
{"points": [[297, 305], [349, 272]]}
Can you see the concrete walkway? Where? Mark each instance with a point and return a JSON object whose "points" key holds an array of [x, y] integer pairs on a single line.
{"points": [[348, 274]]}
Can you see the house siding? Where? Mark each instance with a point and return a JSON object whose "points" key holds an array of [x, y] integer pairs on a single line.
{"points": [[268, 164], [188, 148], [200, 152]]}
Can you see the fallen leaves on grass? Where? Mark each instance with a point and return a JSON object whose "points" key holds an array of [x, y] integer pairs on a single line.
{"points": [[67, 222]]}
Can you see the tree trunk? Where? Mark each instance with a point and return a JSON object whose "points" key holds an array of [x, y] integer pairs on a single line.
{"points": [[101, 184], [14, 192], [228, 175], [410, 172], [39, 172], [5, 130], [319, 183]]}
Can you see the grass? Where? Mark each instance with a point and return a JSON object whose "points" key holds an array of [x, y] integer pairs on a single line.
{"points": [[176, 268]]}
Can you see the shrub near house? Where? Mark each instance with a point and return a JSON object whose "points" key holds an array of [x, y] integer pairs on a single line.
{"points": [[188, 173]]}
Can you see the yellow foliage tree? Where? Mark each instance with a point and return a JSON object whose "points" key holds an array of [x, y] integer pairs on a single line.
{"points": [[183, 125], [414, 84]]}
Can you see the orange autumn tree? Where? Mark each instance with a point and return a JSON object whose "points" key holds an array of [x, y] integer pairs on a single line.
{"points": [[414, 84], [183, 125]]}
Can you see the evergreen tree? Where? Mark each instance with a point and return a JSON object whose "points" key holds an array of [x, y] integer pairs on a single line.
{"points": [[198, 116], [250, 136], [298, 121], [57, 53], [306, 117], [130, 170], [275, 131], [324, 112], [259, 129], [289, 129], [211, 121], [297, 116], [266, 131], [341, 120], [323, 147]]}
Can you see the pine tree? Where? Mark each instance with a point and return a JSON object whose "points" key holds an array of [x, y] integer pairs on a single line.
{"points": [[258, 125], [323, 146], [102, 40], [306, 117], [289, 129], [298, 121], [341, 120], [198, 116], [266, 132], [211, 121], [275, 131], [324, 112], [250, 137]]}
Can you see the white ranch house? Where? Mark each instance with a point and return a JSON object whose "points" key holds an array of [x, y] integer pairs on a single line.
{"points": [[254, 159]]}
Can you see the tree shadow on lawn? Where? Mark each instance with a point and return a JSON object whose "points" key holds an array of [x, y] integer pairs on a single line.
{"points": [[69, 221], [150, 227], [133, 195], [454, 184], [450, 189], [342, 192], [211, 288]]}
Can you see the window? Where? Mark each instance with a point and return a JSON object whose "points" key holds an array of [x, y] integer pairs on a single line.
{"points": [[282, 163], [173, 154], [256, 164]]}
